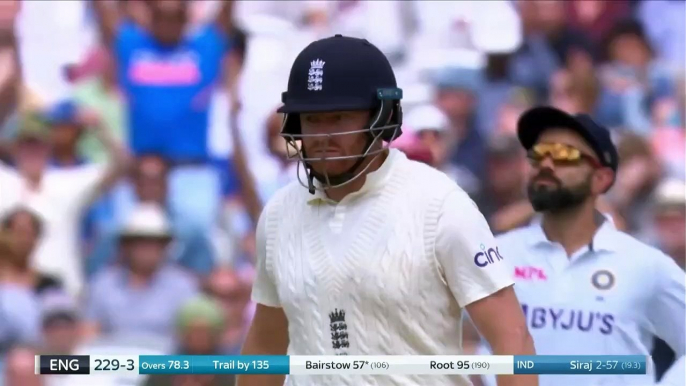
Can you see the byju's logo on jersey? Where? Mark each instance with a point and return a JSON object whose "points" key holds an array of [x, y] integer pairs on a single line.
{"points": [[487, 256], [570, 320], [315, 75]]}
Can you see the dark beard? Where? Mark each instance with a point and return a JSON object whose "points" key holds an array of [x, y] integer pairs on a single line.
{"points": [[556, 199]]}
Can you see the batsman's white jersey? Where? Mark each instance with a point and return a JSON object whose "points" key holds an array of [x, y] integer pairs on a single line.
{"points": [[610, 298], [386, 271]]}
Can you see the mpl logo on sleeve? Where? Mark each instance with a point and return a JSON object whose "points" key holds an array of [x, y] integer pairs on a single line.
{"points": [[530, 273], [487, 256]]}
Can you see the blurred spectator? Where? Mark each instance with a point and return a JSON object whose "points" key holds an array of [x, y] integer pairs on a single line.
{"points": [[20, 368], [456, 97], [360, 18], [148, 184], [496, 90], [280, 151], [232, 293], [25, 228], [565, 40], [309, 15], [664, 24], [60, 195], [414, 149], [669, 221], [200, 324], [520, 100], [669, 214], [65, 132], [60, 321], [595, 18], [535, 52], [100, 93], [669, 144], [19, 306], [638, 175], [506, 176], [574, 92], [428, 125], [143, 293], [632, 77], [168, 73], [42, 28]]}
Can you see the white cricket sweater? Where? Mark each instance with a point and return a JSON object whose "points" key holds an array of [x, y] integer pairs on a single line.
{"points": [[386, 271]]}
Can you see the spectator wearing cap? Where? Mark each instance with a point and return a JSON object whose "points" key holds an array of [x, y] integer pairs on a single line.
{"points": [[144, 291], [147, 184], [199, 323], [429, 125], [59, 195], [457, 97], [65, 128], [60, 318]]}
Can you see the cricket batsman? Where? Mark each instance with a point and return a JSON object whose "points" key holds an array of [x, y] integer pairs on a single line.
{"points": [[371, 253], [587, 288]]}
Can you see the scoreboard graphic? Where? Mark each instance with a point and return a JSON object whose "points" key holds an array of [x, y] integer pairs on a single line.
{"points": [[320, 365]]}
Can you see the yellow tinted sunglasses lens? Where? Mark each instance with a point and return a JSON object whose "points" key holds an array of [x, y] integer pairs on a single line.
{"points": [[557, 151]]}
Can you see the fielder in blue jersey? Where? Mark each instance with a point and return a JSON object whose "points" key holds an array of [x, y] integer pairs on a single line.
{"points": [[587, 288]]}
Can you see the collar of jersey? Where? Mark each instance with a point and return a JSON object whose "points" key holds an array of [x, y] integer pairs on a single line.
{"points": [[603, 240], [373, 181]]}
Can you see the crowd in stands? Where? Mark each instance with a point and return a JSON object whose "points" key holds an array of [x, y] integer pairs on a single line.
{"points": [[139, 141]]}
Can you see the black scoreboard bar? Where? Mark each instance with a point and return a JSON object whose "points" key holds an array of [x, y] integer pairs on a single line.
{"points": [[63, 364]]}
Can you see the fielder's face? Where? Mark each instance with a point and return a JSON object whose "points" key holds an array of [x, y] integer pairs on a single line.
{"points": [[565, 172], [337, 134]]}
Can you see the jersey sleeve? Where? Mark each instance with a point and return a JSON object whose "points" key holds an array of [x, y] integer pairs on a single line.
{"points": [[667, 308], [264, 289], [675, 375], [467, 253]]}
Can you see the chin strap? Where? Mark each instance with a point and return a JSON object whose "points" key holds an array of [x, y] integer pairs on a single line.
{"points": [[337, 179]]}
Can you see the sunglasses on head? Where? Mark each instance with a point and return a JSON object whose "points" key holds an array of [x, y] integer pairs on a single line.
{"points": [[561, 154]]}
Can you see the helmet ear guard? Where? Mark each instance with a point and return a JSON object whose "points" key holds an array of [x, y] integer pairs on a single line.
{"points": [[388, 120]]}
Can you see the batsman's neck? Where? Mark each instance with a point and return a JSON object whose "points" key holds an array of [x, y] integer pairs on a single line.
{"points": [[337, 194], [574, 228]]}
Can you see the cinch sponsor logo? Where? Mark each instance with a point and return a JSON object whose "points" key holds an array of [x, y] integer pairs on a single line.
{"points": [[563, 319], [488, 256], [529, 273]]}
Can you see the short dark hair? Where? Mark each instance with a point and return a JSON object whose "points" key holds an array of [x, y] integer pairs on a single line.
{"points": [[8, 218], [624, 27]]}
